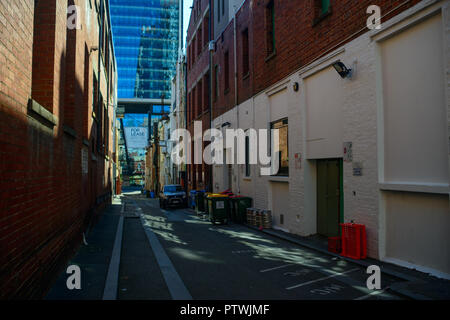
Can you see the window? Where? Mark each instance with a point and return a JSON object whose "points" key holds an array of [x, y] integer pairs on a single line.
{"points": [[190, 56], [86, 88], [216, 83], [227, 71], [194, 49], [206, 92], [200, 40], [324, 6], [270, 28], [218, 10], [189, 107], [247, 156], [173, 188], [100, 136], [95, 96], [245, 54], [283, 155], [194, 104], [205, 31], [200, 96]]}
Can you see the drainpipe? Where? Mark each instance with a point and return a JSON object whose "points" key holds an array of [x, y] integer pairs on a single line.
{"points": [[236, 89], [185, 122], [211, 25]]}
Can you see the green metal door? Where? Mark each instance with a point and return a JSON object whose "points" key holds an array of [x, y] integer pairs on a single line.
{"points": [[328, 197]]}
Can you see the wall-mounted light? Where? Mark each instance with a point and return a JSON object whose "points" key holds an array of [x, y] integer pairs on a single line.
{"points": [[226, 124], [342, 69], [212, 46], [296, 86]]}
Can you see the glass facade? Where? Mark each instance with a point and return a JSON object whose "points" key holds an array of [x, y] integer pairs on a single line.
{"points": [[146, 36]]}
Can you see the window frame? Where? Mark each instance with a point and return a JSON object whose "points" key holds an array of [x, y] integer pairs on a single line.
{"points": [[245, 53], [282, 171], [248, 170], [226, 58], [270, 29]]}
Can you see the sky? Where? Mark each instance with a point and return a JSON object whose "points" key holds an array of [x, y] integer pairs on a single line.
{"points": [[187, 13]]}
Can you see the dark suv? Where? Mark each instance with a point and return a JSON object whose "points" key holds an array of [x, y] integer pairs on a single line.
{"points": [[173, 195]]}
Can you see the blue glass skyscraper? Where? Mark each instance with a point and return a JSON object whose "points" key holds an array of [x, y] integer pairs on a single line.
{"points": [[146, 38]]}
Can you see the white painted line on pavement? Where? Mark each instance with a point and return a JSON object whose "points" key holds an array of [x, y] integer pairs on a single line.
{"points": [[323, 278], [176, 287], [293, 264], [374, 293], [276, 268], [112, 279]]}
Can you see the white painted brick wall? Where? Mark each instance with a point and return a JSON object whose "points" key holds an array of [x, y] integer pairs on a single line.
{"points": [[361, 194]]}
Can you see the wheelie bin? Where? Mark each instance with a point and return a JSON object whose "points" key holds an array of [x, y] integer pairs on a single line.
{"points": [[218, 208], [192, 194], [239, 205], [199, 202]]}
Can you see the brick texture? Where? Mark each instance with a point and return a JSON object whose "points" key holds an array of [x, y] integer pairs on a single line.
{"points": [[46, 201], [301, 36], [198, 85]]}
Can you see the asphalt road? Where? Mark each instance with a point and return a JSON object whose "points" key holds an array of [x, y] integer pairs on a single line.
{"points": [[174, 254]]}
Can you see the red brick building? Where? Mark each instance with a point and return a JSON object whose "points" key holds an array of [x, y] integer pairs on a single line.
{"points": [[269, 48], [57, 108], [198, 79]]}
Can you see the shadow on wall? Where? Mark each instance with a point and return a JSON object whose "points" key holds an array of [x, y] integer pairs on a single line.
{"points": [[43, 204]]}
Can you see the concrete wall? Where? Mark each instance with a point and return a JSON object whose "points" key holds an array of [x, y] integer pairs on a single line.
{"points": [[413, 140]]}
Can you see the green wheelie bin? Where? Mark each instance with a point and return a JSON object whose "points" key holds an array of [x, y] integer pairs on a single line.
{"points": [[239, 205], [200, 203], [218, 208]]}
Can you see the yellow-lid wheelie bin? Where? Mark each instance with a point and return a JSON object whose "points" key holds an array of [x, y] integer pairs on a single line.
{"points": [[218, 208]]}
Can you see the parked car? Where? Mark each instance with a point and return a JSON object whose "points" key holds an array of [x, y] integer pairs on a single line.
{"points": [[173, 195]]}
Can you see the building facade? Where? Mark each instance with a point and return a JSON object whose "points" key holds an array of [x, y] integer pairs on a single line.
{"points": [[350, 147], [146, 35], [146, 38], [197, 88], [57, 111], [178, 117]]}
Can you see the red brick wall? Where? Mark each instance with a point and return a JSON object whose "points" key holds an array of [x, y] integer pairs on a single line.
{"points": [[45, 200], [300, 38], [198, 63], [244, 21], [226, 99]]}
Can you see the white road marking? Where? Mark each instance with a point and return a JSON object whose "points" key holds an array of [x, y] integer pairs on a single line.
{"points": [[321, 279], [112, 279], [174, 283], [276, 268], [293, 264], [374, 293]]}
